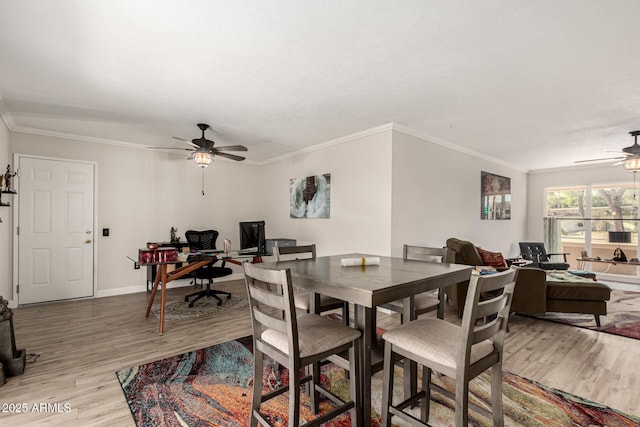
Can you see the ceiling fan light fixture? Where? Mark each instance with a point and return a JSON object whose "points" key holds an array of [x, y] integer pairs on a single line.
{"points": [[202, 158], [632, 164]]}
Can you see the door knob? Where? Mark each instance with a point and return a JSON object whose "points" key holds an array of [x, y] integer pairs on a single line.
{"points": [[87, 241]]}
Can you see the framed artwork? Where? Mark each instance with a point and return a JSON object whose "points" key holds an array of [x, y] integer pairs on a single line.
{"points": [[310, 197], [496, 196]]}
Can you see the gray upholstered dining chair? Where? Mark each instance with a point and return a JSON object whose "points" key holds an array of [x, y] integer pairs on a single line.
{"points": [[301, 296], [296, 342], [459, 352], [426, 301]]}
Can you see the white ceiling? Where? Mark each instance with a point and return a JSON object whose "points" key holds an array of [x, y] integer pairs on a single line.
{"points": [[537, 84]]}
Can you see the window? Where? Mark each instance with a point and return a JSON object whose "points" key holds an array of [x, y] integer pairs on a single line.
{"points": [[596, 219]]}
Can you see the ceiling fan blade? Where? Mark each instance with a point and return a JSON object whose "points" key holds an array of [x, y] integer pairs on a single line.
{"points": [[186, 140], [599, 160], [231, 148], [230, 156], [168, 148]]}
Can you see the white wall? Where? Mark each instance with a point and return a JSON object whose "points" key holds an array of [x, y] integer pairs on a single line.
{"points": [[388, 188], [142, 193], [6, 227], [360, 169], [436, 195], [540, 180]]}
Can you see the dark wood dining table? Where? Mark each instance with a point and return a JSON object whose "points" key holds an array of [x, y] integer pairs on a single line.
{"points": [[367, 287]]}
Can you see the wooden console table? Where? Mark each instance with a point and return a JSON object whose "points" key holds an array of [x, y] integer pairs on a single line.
{"points": [[610, 262]]}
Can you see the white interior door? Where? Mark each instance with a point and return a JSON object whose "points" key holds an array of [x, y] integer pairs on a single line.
{"points": [[55, 230]]}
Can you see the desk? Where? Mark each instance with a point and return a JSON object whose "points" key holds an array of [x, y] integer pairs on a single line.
{"points": [[583, 261], [368, 287], [152, 269], [163, 278]]}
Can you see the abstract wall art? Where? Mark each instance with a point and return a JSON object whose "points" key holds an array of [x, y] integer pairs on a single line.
{"points": [[310, 197]]}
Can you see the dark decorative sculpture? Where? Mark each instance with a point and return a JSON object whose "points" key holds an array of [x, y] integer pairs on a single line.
{"points": [[7, 178]]}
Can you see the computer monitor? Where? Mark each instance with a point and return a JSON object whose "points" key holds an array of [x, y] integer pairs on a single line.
{"points": [[252, 236]]}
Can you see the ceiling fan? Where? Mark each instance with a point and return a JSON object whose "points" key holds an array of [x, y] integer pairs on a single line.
{"points": [[629, 157], [203, 149]]}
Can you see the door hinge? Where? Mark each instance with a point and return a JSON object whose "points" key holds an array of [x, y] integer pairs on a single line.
{"points": [[18, 230], [18, 289]]}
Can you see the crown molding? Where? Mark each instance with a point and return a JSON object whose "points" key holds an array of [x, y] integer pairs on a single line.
{"points": [[372, 131], [573, 168], [7, 118], [391, 126], [451, 146], [74, 137], [105, 141]]}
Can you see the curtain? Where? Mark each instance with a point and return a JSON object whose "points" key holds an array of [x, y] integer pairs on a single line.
{"points": [[552, 235]]}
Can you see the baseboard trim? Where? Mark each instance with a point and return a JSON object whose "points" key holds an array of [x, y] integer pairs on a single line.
{"points": [[143, 288]]}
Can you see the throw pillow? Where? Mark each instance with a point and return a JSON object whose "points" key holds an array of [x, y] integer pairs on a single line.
{"points": [[493, 259]]}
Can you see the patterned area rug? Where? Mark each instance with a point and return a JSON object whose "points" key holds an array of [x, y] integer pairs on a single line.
{"points": [[212, 387], [177, 310], [623, 316]]}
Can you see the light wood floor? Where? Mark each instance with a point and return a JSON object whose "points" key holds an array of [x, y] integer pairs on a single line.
{"points": [[82, 343]]}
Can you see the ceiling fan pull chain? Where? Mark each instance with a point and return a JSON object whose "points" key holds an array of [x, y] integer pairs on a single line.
{"points": [[203, 180]]}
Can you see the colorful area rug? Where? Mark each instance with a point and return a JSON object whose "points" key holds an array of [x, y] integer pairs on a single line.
{"points": [[623, 316], [177, 310], [212, 387]]}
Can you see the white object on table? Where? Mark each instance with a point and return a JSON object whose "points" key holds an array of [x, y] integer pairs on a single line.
{"points": [[349, 262]]}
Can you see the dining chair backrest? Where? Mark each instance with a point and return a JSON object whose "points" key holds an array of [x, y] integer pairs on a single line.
{"points": [[459, 352], [297, 343], [272, 309], [493, 308], [292, 253], [424, 253]]}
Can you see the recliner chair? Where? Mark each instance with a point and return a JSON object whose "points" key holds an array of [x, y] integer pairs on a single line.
{"points": [[535, 252], [201, 241]]}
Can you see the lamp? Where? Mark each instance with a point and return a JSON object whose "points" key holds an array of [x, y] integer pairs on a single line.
{"points": [[202, 157], [632, 164]]}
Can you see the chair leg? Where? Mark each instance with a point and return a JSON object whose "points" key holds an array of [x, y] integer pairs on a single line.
{"points": [[426, 387], [345, 313], [201, 294], [314, 395], [462, 401], [257, 387], [387, 385], [496, 395], [294, 398], [597, 316]]}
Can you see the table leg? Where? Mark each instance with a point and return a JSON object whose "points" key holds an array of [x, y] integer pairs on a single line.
{"points": [[163, 278], [366, 324], [153, 294]]}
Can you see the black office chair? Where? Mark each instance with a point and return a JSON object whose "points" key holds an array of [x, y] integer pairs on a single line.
{"points": [[202, 241], [535, 252]]}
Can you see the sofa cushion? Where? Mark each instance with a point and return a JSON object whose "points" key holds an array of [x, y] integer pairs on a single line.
{"points": [[493, 259], [567, 286]]}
